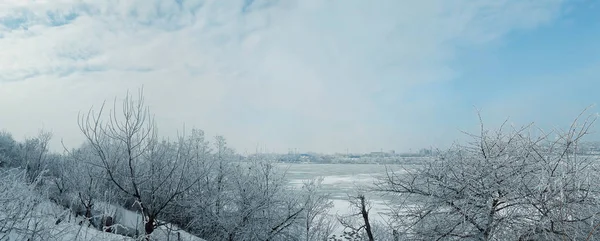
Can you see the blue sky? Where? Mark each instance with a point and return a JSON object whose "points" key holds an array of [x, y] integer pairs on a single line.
{"points": [[553, 69], [326, 76]]}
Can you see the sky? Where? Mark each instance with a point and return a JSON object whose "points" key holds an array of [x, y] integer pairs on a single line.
{"points": [[310, 75]]}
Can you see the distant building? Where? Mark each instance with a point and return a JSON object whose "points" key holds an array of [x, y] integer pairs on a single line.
{"points": [[379, 154]]}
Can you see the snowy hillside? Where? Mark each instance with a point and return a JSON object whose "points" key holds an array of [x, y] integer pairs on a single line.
{"points": [[26, 215]]}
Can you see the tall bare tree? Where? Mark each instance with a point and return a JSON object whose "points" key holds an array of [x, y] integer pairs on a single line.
{"points": [[152, 171]]}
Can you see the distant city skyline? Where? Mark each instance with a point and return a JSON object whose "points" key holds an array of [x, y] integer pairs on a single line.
{"points": [[322, 76]]}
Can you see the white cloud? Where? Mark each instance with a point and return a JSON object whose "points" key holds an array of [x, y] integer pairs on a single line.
{"points": [[309, 74]]}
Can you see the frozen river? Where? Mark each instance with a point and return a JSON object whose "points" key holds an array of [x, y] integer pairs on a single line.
{"points": [[340, 180]]}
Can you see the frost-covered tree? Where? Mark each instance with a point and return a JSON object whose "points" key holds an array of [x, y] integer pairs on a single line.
{"points": [[154, 172], [317, 224], [33, 155], [18, 203], [504, 185], [8, 150], [246, 201], [197, 202], [562, 193], [265, 208], [83, 182]]}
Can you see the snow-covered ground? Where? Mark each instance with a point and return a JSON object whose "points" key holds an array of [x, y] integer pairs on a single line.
{"points": [[132, 220], [47, 214], [26, 215]]}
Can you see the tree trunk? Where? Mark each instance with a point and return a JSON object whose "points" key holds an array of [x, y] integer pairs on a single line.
{"points": [[365, 215], [88, 214], [149, 226]]}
